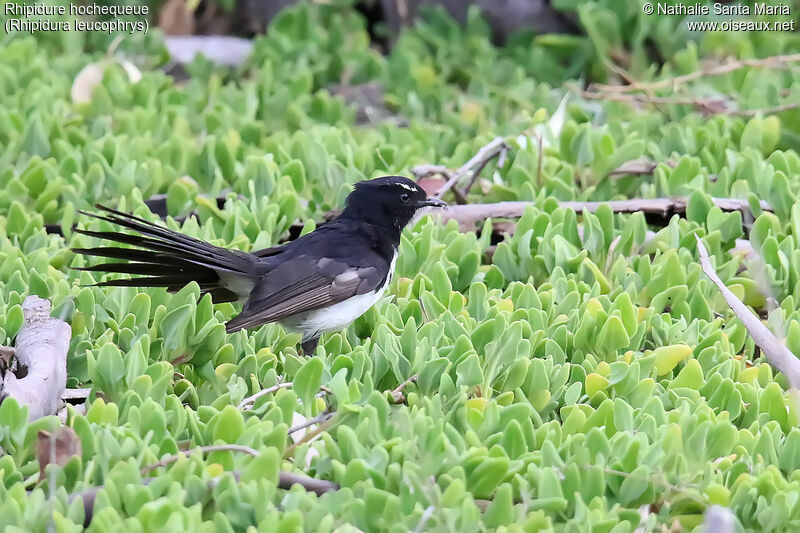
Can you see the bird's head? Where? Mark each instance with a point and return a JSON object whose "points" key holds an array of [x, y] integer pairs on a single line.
{"points": [[390, 200]]}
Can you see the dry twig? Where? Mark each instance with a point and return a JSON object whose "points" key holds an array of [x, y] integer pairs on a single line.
{"points": [[286, 480], [322, 417], [716, 70], [41, 348], [263, 392], [777, 353], [202, 449], [633, 82], [496, 148], [308, 437], [397, 392], [469, 215], [642, 166], [318, 486], [713, 106], [422, 172], [76, 394]]}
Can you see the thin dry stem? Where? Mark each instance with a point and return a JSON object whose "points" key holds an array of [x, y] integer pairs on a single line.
{"points": [[202, 449], [397, 392], [713, 106], [263, 392], [308, 437], [322, 417], [285, 481], [776, 61], [775, 350], [496, 147], [469, 215]]}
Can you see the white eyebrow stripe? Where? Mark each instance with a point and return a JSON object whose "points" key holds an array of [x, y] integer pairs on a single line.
{"points": [[407, 187]]}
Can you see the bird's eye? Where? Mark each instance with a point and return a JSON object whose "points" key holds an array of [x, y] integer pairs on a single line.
{"points": [[404, 197]]}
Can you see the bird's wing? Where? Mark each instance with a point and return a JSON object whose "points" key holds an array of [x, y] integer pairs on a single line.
{"points": [[304, 283], [269, 252]]}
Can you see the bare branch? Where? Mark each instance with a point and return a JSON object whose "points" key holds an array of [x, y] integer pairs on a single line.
{"points": [[263, 392], [777, 353], [397, 393], [308, 437], [322, 417], [423, 172], [76, 394], [501, 159], [202, 449], [469, 215], [286, 480], [488, 152], [246, 403], [427, 170], [764, 110], [317, 486], [642, 166], [713, 106], [630, 79], [41, 348], [716, 70]]}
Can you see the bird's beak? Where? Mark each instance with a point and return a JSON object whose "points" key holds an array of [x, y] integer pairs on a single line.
{"points": [[432, 202]]}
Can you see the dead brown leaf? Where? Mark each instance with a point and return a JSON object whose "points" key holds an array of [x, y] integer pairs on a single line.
{"points": [[175, 18], [56, 448], [640, 167]]}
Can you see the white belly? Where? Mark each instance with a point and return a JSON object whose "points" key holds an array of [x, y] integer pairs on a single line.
{"points": [[338, 316]]}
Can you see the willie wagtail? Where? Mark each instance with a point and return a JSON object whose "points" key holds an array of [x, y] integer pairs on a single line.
{"points": [[317, 283]]}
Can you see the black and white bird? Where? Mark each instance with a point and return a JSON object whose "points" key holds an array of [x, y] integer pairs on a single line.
{"points": [[318, 283]]}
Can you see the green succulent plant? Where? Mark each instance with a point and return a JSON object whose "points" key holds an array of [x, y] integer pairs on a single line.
{"points": [[583, 372]]}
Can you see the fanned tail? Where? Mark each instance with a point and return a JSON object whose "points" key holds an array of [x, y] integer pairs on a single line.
{"points": [[166, 258]]}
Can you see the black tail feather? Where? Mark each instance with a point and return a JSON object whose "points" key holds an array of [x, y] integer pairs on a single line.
{"points": [[174, 283], [129, 254], [164, 239], [166, 258]]}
